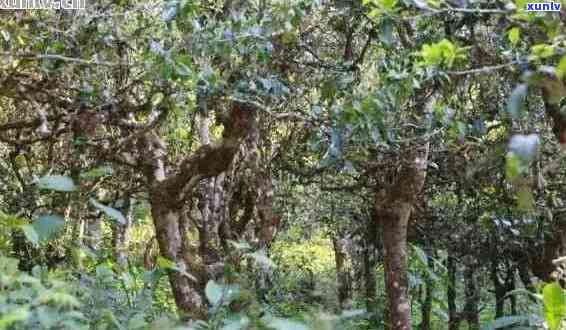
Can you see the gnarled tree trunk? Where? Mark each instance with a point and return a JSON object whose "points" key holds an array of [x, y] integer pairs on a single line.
{"points": [[170, 191]]}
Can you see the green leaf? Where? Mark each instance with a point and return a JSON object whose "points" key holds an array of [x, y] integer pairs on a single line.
{"points": [[261, 259], [156, 99], [242, 245], [328, 90], [441, 53], [137, 321], [213, 292], [513, 166], [165, 263], [561, 68], [554, 305], [507, 321], [112, 213], [47, 226], [525, 200], [30, 233], [547, 79], [57, 183], [542, 51], [514, 35], [283, 324], [388, 4], [97, 172], [216, 293], [14, 315], [515, 104], [240, 323], [386, 36]]}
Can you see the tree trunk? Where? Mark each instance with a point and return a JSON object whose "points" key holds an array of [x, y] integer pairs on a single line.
{"points": [[395, 202], [471, 311], [168, 230], [370, 262], [453, 315], [426, 306], [394, 228], [343, 273], [121, 232], [370, 281], [171, 189], [499, 290]]}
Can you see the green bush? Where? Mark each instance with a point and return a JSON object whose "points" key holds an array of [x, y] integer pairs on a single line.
{"points": [[40, 300]]}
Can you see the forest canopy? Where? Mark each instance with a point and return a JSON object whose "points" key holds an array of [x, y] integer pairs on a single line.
{"points": [[299, 164]]}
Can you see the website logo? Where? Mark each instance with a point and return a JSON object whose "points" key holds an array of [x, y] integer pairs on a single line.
{"points": [[543, 6]]}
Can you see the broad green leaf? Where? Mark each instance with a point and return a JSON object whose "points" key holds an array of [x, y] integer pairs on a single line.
{"points": [[441, 53], [261, 259], [388, 4], [547, 79], [513, 166], [14, 315], [165, 263], [240, 323], [514, 35], [283, 324], [156, 99], [561, 68], [535, 296], [524, 146], [112, 213], [30, 233], [542, 51], [213, 292], [57, 183], [137, 322], [169, 12], [386, 32], [507, 321], [47, 226], [328, 90], [242, 245], [516, 100], [554, 305], [352, 313], [216, 293], [525, 199], [97, 172]]}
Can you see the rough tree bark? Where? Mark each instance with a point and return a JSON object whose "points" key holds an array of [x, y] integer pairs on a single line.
{"points": [[499, 290], [370, 262], [471, 311], [426, 306], [170, 189], [453, 315], [394, 205], [121, 232], [343, 273]]}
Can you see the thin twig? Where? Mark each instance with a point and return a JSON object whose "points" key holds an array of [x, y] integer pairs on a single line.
{"points": [[484, 69], [61, 58]]}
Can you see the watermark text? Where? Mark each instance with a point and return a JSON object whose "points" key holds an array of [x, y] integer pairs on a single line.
{"points": [[543, 6], [42, 4]]}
